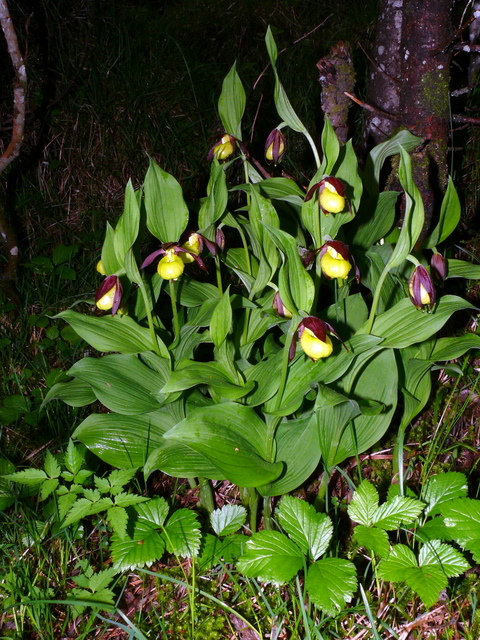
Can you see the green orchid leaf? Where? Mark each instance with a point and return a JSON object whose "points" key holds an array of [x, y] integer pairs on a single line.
{"points": [[312, 531], [462, 269], [126, 231], [181, 461], [404, 325], [231, 104], [221, 322], [377, 156], [448, 220], [109, 333], [208, 373], [240, 453], [299, 461], [122, 383], [330, 583], [167, 213], [110, 263], [124, 441], [271, 557], [282, 103], [75, 393], [213, 207], [374, 220]]}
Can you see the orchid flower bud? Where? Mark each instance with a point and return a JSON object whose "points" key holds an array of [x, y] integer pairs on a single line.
{"points": [[99, 268], [280, 308], [438, 266], [421, 289], [109, 294], [171, 266], [223, 149], [275, 146]]}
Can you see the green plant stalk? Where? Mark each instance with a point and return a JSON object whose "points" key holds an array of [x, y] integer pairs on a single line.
{"points": [[151, 326], [176, 323], [249, 496], [218, 274], [313, 147], [206, 494], [267, 513], [376, 299], [318, 241]]}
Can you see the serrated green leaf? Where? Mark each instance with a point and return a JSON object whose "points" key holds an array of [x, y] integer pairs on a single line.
{"points": [[73, 458], [450, 561], [312, 531], [400, 510], [228, 519], [84, 507], [142, 548], [124, 499], [364, 504], [102, 579], [331, 582], [29, 477], [154, 511], [65, 503], [48, 487], [427, 582], [371, 538], [271, 556], [51, 466], [442, 488], [182, 533], [434, 529], [462, 519], [117, 518], [394, 567]]}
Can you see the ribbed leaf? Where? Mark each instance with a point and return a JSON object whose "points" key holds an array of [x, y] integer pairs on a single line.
{"points": [[371, 538], [271, 556], [109, 333], [231, 104], [228, 519], [123, 441], [437, 553], [331, 582], [442, 488], [364, 504], [167, 213], [182, 533], [312, 531]]}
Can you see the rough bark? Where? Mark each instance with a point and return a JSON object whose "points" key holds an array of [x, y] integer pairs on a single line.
{"points": [[337, 77], [13, 149], [410, 81]]}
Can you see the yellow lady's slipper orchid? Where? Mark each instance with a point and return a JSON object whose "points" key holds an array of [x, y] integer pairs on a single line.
{"points": [[99, 268], [314, 347], [193, 245], [275, 146], [109, 294], [223, 149], [331, 195], [334, 264], [330, 200], [171, 266]]}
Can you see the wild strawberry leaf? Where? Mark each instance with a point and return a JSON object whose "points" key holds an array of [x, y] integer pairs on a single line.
{"points": [[312, 531], [331, 582], [271, 556]]}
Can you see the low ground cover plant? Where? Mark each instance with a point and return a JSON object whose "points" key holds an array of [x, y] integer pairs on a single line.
{"points": [[268, 332]]}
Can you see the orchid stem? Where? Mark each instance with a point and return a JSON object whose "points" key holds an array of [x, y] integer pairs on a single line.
{"points": [[173, 299], [151, 326]]}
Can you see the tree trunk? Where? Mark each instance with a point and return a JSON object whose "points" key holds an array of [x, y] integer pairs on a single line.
{"points": [[409, 86]]}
